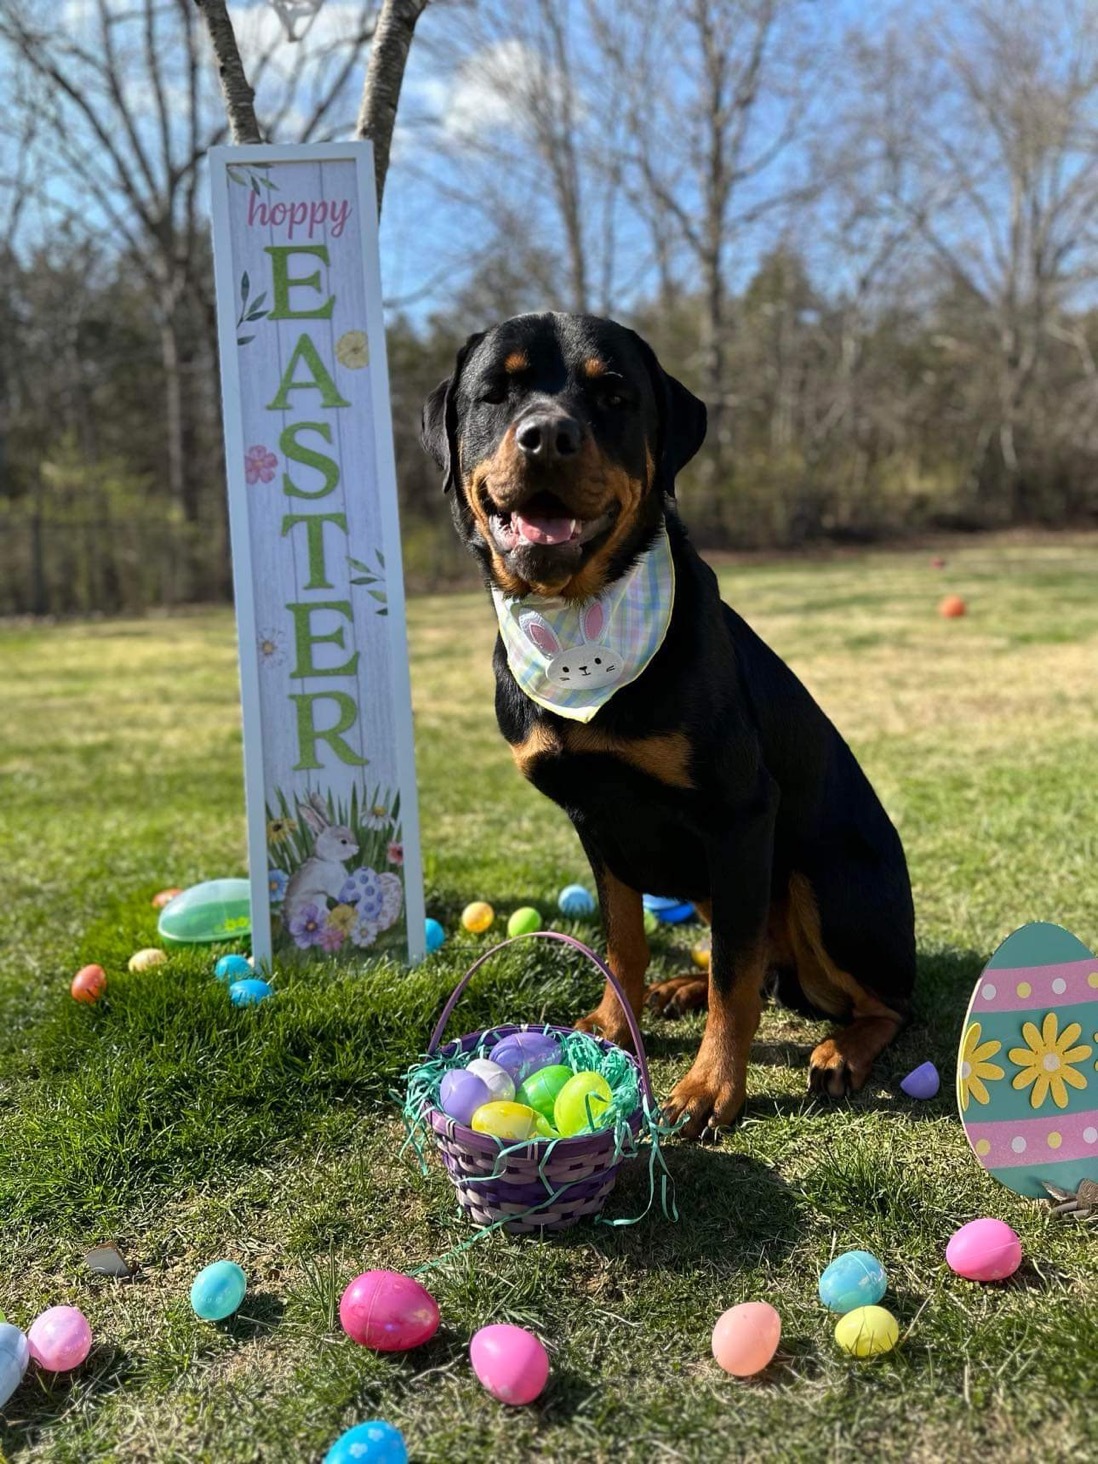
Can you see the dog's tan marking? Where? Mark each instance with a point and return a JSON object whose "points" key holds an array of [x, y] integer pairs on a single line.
{"points": [[516, 361], [714, 1090], [665, 756], [541, 741], [627, 957], [594, 366], [843, 1061]]}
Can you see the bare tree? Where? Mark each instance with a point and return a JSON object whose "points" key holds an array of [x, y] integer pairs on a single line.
{"points": [[125, 114], [979, 136]]}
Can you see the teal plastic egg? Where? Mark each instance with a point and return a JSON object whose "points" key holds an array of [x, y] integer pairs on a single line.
{"points": [[373, 1442], [218, 910], [233, 968], [14, 1357], [853, 1279], [249, 993], [217, 1291], [434, 934]]}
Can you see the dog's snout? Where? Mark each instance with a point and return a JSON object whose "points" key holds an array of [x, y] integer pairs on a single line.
{"points": [[549, 435]]}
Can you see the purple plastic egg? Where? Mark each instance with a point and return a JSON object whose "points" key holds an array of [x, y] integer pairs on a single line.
{"points": [[510, 1363], [461, 1094], [60, 1338], [388, 1312], [984, 1250], [524, 1053], [923, 1082]]}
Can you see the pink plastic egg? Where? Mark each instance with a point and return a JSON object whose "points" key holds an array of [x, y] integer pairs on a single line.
{"points": [[388, 1312], [510, 1363], [984, 1250], [60, 1338], [746, 1338]]}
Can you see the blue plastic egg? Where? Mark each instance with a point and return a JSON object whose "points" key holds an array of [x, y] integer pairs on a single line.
{"points": [[249, 993], [853, 1279], [14, 1357], [373, 1442], [576, 902], [434, 933], [217, 1291], [232, 968]]}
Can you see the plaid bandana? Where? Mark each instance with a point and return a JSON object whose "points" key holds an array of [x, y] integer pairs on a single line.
{"points": [[571, 658]]}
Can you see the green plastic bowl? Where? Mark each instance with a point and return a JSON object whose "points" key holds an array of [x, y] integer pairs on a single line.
{"points": [[217, 910]]}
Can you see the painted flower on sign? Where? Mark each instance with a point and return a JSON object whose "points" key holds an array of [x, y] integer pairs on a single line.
{"points": [[396, 854], [352, 350], [1048, 1061], [976, 1068], [331, 938], [342, 917], [277, 880], [260, 465], [271, 653], [307, 926], [280, 829]]}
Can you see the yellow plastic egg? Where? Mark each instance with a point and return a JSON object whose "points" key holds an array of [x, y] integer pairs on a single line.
{"points": [[510, 1121], [477, 917], [867, 1331], [700, 955], [148, 958], [582, 1105]]}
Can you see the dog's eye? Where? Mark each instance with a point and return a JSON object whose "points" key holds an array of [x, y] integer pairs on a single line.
{"points": [[494, 393]]}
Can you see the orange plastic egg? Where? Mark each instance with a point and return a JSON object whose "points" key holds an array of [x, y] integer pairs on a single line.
{"points": [[89, 984], [746, 1338], [164, 897], [952, 606]]}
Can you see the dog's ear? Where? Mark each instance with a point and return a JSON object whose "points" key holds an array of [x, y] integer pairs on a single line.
{"points": [[438, 424], [682, 420]]}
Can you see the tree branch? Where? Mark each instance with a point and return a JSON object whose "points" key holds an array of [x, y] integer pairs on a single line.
{"points": [[396, 24], [238, 94]]}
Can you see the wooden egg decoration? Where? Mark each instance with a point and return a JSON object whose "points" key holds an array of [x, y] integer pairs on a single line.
{"points": [[1027, 1068]]}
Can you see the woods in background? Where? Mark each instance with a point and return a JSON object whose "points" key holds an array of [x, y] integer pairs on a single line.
{"points": [[866, 237]]}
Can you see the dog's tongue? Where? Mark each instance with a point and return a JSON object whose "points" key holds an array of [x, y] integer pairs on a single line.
{"points": [[537, 529]]}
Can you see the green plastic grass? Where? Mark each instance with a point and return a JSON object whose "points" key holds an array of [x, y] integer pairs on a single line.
{"points": [[186, 1130]]}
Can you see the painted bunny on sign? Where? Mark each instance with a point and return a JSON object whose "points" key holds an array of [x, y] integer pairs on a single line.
{"points": [[590, 664], [322, 875]]}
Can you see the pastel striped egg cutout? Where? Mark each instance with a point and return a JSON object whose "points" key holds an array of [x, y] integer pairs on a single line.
{"points": [[1027, 1066]]}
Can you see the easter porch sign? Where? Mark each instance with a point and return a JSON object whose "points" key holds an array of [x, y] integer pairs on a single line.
{"points": [[333, 838]]}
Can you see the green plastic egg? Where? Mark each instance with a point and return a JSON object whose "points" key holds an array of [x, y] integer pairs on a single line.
{"points": [[582, 1105], [512, 1122], [524, 921], [540, 1089]]}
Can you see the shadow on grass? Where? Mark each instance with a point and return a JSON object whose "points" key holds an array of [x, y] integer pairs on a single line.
{"points": [[45, 1399]]}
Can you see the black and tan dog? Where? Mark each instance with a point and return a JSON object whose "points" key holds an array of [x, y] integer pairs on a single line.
{"points": [[713, 776]]}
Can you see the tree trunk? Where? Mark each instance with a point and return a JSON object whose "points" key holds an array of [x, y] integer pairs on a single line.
{"points": [[384, 76]]}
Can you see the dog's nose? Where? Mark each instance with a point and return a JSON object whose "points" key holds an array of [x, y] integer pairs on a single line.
{"points": [[549, 435]]}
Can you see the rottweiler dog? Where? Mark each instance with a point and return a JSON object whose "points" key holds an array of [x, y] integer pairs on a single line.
{"points": [[713, 776]]}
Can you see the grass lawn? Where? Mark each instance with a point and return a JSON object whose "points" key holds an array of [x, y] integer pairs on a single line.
{"points": [[186, 1130]]}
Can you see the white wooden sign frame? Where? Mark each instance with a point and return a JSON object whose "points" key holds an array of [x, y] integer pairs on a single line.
{"points": [[320, 617]]}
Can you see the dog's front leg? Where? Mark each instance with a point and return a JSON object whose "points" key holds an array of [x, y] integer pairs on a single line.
{"points": [[712, 1093], [626, 954]]}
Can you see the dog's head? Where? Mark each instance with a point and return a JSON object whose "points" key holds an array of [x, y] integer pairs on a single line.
{"points": [[560, 436]]}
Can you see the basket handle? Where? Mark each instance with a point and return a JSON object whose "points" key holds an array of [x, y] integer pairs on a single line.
{"points": [[570, 940]]}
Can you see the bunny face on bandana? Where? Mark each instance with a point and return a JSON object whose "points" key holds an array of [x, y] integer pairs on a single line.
{"points": [[571, 658], [590, 664]]}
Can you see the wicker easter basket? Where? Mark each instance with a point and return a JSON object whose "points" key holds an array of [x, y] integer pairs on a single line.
{"points": [[541, 1185]]}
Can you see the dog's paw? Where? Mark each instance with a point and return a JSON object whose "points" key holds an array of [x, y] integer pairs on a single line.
{"points": [[831, 1073], [709, 1100], [679, 995], [608, 1023]]}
